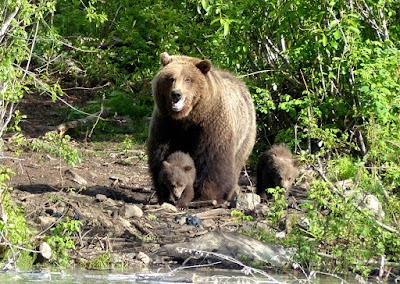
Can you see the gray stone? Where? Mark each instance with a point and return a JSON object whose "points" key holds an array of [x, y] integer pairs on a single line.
{"points": [[132, 211], [169, 207], [143, 258], [45, 250], [101, 197], [247, 201], [371, 202], [46, 221], [366, 201]]}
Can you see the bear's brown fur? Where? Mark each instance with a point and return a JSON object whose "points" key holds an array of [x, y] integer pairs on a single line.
{"points": [[178, 174], [207, 113], [276, 167]]}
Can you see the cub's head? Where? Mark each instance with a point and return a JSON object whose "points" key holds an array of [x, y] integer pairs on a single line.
{"points": [[285, 171], [180, 84], [175, 178]]}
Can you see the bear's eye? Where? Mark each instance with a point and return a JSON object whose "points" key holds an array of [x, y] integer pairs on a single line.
{"points": [[170, 79], [187, 80]]}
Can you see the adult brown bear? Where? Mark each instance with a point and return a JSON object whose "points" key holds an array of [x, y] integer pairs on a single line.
{"points": [[207, 113]]}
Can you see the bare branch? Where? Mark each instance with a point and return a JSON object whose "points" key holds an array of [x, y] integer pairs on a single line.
{"points": [[8, 20], [30, 54]]}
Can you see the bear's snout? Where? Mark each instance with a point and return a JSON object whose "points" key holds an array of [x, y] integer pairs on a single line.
{"points": [[176, 96], [178, 100]]}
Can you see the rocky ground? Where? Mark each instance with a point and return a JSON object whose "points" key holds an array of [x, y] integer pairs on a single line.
{"points": [[110, 192]]}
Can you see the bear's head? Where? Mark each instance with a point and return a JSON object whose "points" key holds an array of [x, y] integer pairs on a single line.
{"points": [[180, 84], [175, 178]]}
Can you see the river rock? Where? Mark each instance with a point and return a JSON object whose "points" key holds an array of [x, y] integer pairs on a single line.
{"points": [[101, 197], [45, 250], [169, 207], [223, 246], [143, 258], [247, 201], [367, 201], [132, 211], [46, 221]]}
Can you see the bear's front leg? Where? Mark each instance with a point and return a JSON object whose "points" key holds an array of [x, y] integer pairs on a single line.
{"points": [[217, 179], [158, 149]]}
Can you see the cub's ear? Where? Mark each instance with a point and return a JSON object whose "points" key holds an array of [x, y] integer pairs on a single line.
{"points": [[187, 168], [166, 165], [165, 58], [204, 66]]}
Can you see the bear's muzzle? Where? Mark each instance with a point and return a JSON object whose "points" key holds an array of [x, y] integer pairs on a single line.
{"points": [[178, 100]]}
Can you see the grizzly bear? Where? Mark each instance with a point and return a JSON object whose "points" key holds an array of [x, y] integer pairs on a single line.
{"points": [[178, 174], [276, 167], [207, 113]]}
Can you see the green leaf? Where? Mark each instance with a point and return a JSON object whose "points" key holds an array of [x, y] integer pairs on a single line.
{"points": [[354, 29], [225, 24], [324, 40], [337, 35], [204, 4]]}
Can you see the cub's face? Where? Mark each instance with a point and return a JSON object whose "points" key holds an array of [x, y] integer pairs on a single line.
{"points": [[179, 85], [286, 175], [175, 179]]}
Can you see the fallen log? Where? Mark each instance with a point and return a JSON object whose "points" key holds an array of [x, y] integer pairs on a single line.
{"points": [[63, 128], [225, 246]]}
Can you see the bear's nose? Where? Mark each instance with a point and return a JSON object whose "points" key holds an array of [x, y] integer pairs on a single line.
{"points": [[176, 96]]}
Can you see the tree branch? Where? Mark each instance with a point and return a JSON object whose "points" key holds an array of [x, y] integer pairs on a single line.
{"points": [[8, 20]]}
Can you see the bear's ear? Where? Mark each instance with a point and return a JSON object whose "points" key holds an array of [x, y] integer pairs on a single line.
{"points": [[165, 58], [204, 66], [187, 168]]}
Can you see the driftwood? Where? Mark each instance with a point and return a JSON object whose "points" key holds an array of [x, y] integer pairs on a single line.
{"points": [[203, 203], [229, 245], [210, 214]]}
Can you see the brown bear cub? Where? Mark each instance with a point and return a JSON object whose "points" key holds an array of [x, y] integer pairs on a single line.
{"points": [[207, 113], [178, 174], [276, 167]]}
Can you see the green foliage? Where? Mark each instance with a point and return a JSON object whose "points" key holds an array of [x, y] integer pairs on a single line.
{"points": [[19, 28], [278, 206], [343, 168], [130, 116], [60, 240], [241, 216], [58, 145], [102, 261], [326, 71], [350, 234], [13, 225], [14, 232]]}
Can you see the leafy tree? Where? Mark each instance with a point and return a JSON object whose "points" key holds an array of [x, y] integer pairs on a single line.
{"points": [[326, 70]]}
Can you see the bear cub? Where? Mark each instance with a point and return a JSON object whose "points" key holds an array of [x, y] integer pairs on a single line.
{"points": [[178, 174], [276, 167]]}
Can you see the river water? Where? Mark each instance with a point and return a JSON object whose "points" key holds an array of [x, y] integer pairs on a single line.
{"points": [[154, 277]]}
